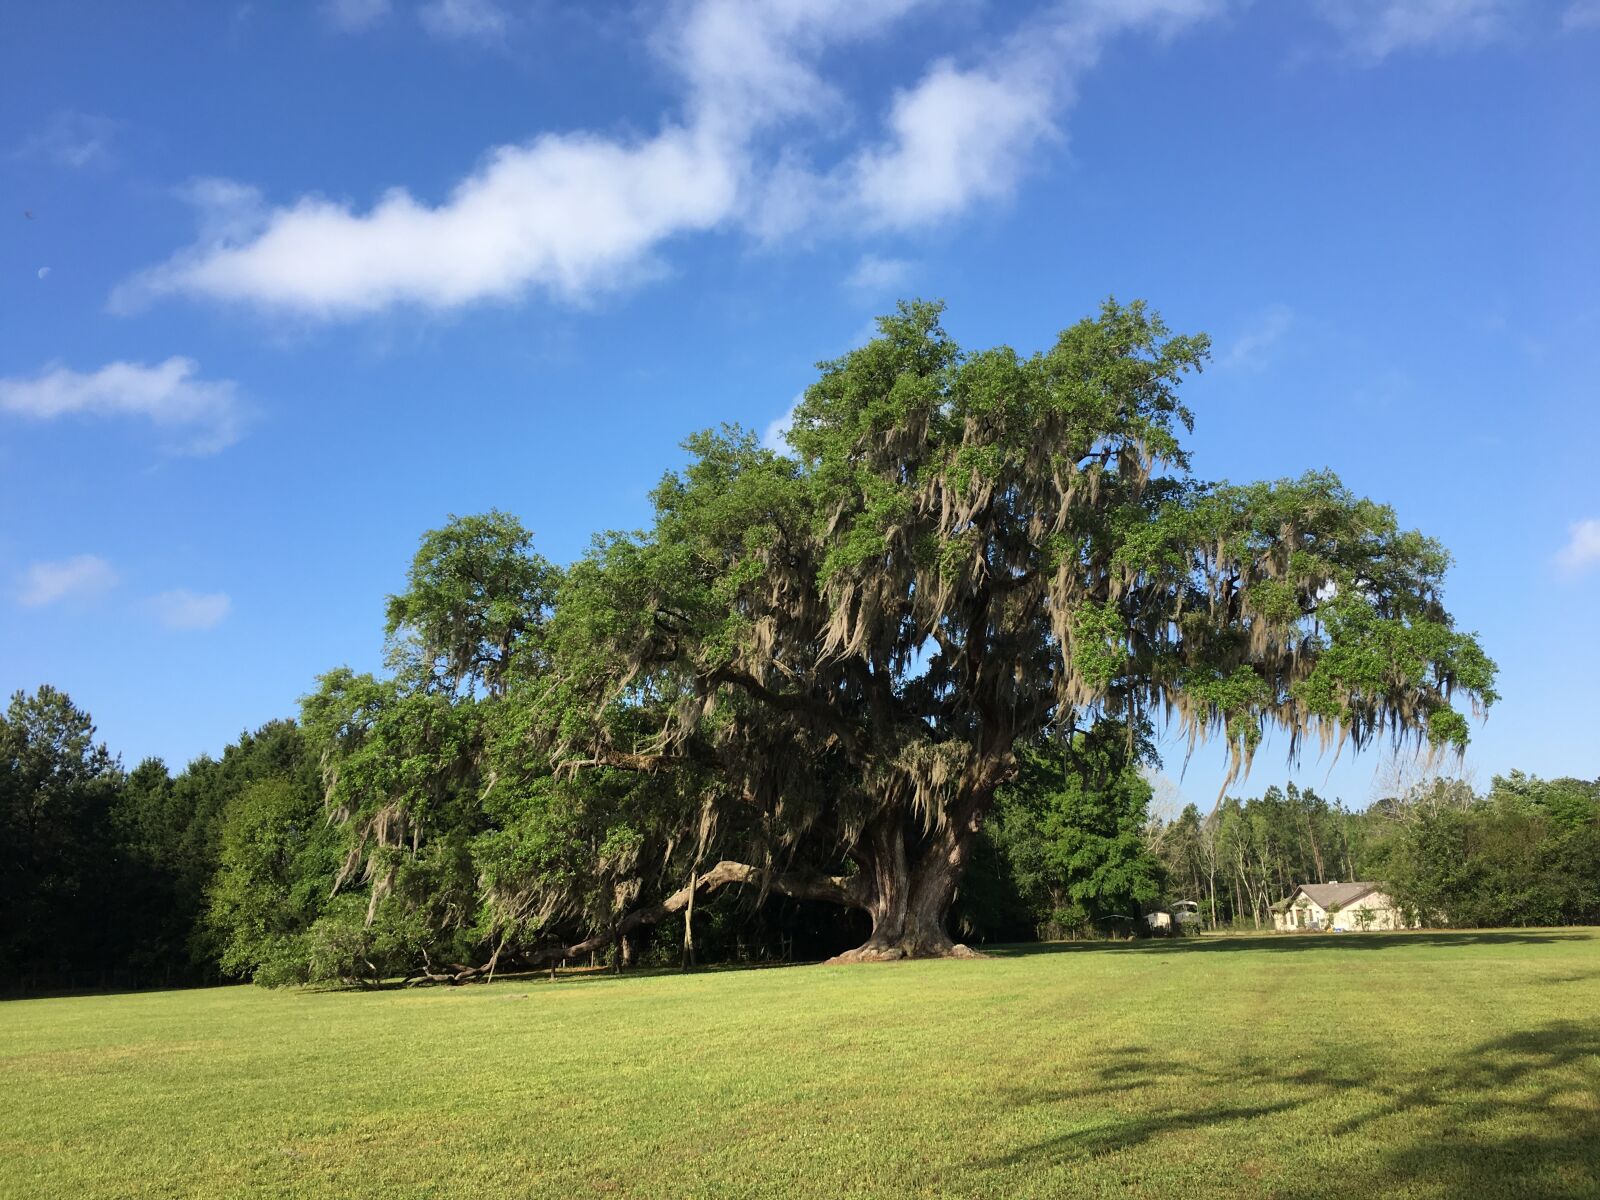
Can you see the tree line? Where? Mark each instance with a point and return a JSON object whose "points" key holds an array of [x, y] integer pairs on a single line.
{"points": [[1524, 852], [237, 868], [231, 869], [895, 685]]}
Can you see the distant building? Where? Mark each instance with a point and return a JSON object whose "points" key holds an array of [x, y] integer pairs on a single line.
{"points": [[1337, 906], [1165, 922]]}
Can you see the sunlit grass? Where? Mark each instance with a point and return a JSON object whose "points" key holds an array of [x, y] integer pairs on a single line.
{"points": [[1364, 1065]]}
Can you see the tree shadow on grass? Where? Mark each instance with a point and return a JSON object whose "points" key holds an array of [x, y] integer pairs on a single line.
{"points": [[1264, 942], [606, 974], [1270, 943], [1211, 943], [1514, 1116]]}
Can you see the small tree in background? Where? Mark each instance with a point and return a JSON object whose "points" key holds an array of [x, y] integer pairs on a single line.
{"points": [[1071, 825]]}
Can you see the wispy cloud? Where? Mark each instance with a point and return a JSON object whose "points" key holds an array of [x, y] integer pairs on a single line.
{"points": [[206, 413], [874, 276], [575, 214], [351, 16], [73, 139], [81, 577], [1581, 14], [955, 137], [1375, 29], [1582, 550], [1250, 349], [464, 20], [778, 428], [182, 609], [85, 577], [964, 133]]}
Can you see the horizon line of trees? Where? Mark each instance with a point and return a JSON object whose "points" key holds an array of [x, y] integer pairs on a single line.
{"points": [[236, 869]]}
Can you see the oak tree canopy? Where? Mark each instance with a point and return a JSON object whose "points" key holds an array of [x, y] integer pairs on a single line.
{"points": [[812, 673]]}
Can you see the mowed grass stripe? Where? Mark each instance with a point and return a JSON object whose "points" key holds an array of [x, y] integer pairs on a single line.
{"points": [[1412, 1065]]}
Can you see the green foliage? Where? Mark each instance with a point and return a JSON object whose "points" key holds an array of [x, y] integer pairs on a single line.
{"points": [[1308, 607], [112, 878], [477, 597], [277, 865], [828, 666], [400, 772], [58, 871], [1528, 853], [1072, 828], [1100, 644], [1243, 859], [199, 801], [851, 647], [347, 945]]}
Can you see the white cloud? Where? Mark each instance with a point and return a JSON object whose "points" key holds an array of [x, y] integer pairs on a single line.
{"points": [[224, 209], [73, 139], [185, 610], [353, 15], [464, 20], [569, 214], [749, 62], [1250, 349], [1375, 29], [1581, 14], [1582, 550], [965, 135], [80, 577], [956, 137], [873, 276], [778, 428], [205, 412], [574, 214]]}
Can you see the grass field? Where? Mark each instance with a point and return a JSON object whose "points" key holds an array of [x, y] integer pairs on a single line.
{"points": [[1364, 1065]]}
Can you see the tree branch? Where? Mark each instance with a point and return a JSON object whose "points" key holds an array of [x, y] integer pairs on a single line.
{"points": [[791, 702], [627, 761], [834, 889]]}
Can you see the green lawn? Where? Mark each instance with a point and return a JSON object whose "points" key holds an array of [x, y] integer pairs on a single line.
{"points": [[1360, 1065]]}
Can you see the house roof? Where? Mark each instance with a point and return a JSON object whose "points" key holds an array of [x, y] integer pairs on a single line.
{"points": [[1335, 895]]}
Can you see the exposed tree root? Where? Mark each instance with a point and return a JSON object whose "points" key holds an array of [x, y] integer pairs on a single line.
{"points": [[870, 953]]}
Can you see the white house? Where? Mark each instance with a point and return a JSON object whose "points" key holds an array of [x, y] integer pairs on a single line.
{"points": [[1338, 906]]}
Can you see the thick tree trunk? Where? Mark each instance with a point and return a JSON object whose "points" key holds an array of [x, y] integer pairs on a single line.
{"points": [[908, 898], [909, 901], [907, 931]]}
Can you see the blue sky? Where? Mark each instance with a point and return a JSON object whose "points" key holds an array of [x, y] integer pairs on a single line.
{"points": [[282, 285]]}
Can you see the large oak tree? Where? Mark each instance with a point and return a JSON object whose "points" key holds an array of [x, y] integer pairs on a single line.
{"points": [[843, 649]]}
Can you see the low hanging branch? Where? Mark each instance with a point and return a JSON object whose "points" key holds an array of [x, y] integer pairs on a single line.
{"points": [[830, 889], [834, 890]]}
